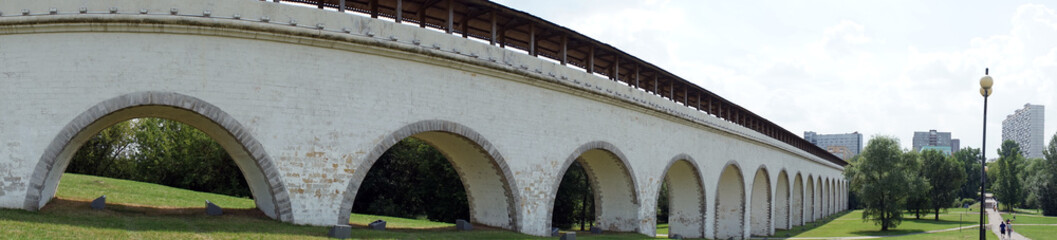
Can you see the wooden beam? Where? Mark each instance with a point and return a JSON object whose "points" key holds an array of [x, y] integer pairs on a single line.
{"points": [[341, 6], [465, 24], [671, 90], [319, 3], [565, 49], [399, 11], [495, 18], [374, 8], [686, 97], [532, 39], [616, 69], [451, 16], [591, 59]]}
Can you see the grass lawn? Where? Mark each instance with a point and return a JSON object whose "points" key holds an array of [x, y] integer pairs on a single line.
{"points": [[1036, 232], [148, 211], [662, 228], [850, 224], [1030, 216]]}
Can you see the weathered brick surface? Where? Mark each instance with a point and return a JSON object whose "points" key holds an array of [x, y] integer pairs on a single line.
{"points": [[311, 110]]}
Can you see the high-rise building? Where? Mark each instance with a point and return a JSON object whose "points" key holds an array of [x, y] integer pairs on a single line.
{"points": [[844, 145], [935, 140], [1025, 126]]}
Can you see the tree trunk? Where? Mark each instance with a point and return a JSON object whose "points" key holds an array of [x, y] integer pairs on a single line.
{"points": [[937, 214]]}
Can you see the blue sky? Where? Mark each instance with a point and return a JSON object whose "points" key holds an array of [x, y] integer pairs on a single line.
{"points": [[876, 67]]}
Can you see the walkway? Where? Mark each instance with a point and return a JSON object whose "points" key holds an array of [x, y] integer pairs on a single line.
{"points": [[993, 217]]}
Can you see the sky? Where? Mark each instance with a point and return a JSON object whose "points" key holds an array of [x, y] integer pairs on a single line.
{"points": [[874, 67]]}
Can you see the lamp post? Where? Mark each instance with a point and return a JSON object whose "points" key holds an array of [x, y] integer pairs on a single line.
{"points": [[985, 90]]}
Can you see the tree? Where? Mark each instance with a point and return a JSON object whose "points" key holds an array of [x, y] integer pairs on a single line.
{"points": [[918, 200], [1044, 183], [574, 202], [1007, 187], [945, 175], [970, 162], [880, 179]]}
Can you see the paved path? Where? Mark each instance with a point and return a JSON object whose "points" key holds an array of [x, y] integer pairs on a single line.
{"points": [[994, 218]]}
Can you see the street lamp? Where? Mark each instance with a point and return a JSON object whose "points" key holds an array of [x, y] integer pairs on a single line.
{"points": [[985, 90]]}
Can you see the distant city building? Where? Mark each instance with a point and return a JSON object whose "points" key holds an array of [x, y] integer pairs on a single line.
{"points": [[935, 140], [1025, 126], [944, 149], [844, 145]]}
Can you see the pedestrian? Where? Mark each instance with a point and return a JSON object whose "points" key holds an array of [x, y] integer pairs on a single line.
{"points": [[1009, 229], [1002, 229]]}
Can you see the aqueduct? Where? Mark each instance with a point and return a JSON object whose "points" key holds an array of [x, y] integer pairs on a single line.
{"points": [[306, 96]]}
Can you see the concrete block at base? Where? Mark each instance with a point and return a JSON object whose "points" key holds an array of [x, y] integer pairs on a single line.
{"points": [[596, 230], [377, 225], [213, 209], [463, 225], [675, 236], [99, 203], [340, 231], [554, 232], [568, 236]]}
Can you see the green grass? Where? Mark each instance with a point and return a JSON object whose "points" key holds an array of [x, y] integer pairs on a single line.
{"points": [[86, 187], [148, 211], [850, 224], [1036, 232], [662, 229]]}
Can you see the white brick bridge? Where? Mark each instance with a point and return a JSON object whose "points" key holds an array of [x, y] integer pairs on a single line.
{"points": [[306, 100]]}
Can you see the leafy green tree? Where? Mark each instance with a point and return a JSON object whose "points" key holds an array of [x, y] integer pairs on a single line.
{"points": [[574, 202], [106, 153], [1044, 183], [881, 180], [662, 203], [918, 200], [970, 162], [945, 175], [1007, 187], [412, 180]]}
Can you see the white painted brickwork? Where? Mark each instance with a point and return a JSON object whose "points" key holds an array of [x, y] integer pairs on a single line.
{"points": [[319, 103]]}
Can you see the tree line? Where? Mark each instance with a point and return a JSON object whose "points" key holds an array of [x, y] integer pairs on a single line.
{"points": [[887, 181]]}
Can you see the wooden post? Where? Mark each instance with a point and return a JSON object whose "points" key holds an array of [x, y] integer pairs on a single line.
{"points": [[532, 39], [399, 11], [591, 59], [492, 40], [616, 68], [341, 6], [565, 49], [374, 8], [319, 3], [451, 16], [655, 83], [637, 76]]}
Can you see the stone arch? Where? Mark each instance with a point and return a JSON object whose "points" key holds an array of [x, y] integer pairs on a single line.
{"points": [[269, 191], [809, 200], [830, 196], [730, 203], [760, 216], [686, 197], [482, 169], [825, 197], [613, 183], [797, 201], [819, 211], [781, 201]]}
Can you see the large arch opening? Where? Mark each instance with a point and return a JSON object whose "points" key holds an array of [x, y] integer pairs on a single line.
{"points": [[730, 204], [819, 210], [810, 214], [267, 189], [760, 218], [685, 199], [781, 202], [798, 201], [481, 170], [616, 201]]}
